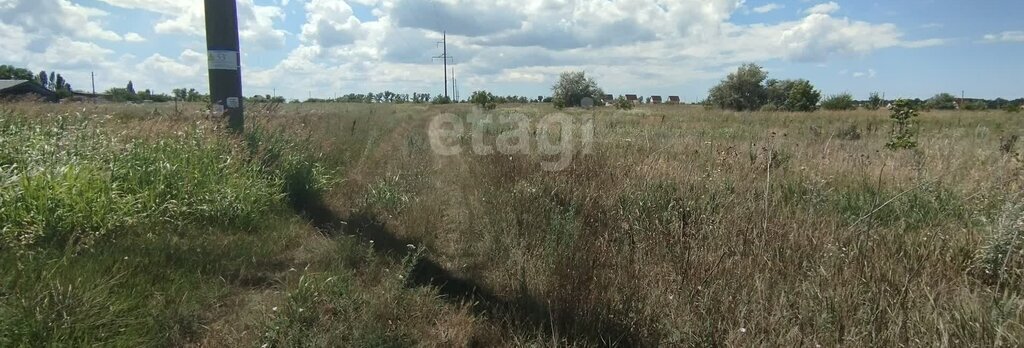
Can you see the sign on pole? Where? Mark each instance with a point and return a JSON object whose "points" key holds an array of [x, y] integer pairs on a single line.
{"points": [[224, 60]]}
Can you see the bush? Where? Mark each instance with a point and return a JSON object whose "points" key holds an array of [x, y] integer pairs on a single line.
{"points": [[977, 105], [839, 102], [572, 87], [441, 100], [622, 103], [741, 90], [1012, 108], [874, 101], [791, 95], [484, 99], [941, 101]]}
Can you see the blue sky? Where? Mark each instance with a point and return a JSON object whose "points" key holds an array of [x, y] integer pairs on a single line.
{"points": [[908, 48]]}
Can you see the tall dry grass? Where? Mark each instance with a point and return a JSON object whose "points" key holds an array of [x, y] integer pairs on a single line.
{"points": [[695, 227]]}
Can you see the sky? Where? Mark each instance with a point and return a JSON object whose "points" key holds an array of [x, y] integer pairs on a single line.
{"points": [[326, 48]]}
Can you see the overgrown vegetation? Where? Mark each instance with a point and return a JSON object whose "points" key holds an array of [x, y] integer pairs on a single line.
{"points": [[747, 89], [682, 227], [839, 102]]}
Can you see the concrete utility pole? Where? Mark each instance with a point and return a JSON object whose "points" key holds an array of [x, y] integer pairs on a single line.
{"points": [[444, 56], [93, 75], [224, 60]]}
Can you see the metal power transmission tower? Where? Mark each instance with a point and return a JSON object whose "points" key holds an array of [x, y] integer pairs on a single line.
{"points": [[223, 58], [445, 57]]}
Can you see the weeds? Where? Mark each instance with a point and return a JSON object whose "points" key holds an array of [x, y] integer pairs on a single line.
{"points": [[1008, 143], [1001, 260]]}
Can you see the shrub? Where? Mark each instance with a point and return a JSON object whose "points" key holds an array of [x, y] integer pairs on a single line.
{"points": [[839, 102], [440, 100], [977, 105], [941, 101], [875, 102], [484, 99], [622, 103], [1012, 108], [904, 134], [572, 87], [741, 90], [791, 95]]}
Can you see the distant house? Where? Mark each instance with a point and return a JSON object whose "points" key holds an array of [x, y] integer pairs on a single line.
{"points": [[656, 99], [608, 98], [632, 98], [10, 89], [674, 99]]}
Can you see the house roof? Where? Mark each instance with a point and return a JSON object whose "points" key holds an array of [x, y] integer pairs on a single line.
{"points": [[20, 87], [5, 84]]}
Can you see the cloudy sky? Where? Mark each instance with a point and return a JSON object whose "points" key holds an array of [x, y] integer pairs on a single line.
{"points": [[911, 48]]}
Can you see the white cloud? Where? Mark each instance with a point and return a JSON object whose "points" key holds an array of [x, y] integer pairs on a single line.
{"points": [[50, 18], [629, 44], [133, 37], [768, 8], [826, 8], [257, 24], [330, 23], [1006, 36], [869, 74]]}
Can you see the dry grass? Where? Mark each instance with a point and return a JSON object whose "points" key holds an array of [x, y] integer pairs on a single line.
{"points": [[672, 232], [684, 227]]}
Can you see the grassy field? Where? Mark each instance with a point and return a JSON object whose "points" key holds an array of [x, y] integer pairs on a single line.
{"points": [[340, 225]]}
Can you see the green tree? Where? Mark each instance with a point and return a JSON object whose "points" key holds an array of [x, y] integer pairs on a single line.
{"points": [[441, 99], [802, 96], [977, 105], [121, 95], [8, 72], [839, 102], [572, 87], [622, 103], [130, 88], [42, 79], [941, 101], [874, 101], [484, 99], [741, 90]]}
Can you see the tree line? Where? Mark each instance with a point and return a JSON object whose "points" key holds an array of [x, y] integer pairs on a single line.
{"points": [[750, 89], [52, 81]]}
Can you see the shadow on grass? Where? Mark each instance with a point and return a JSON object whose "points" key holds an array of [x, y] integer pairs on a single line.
{"points": [[524, 312]]}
